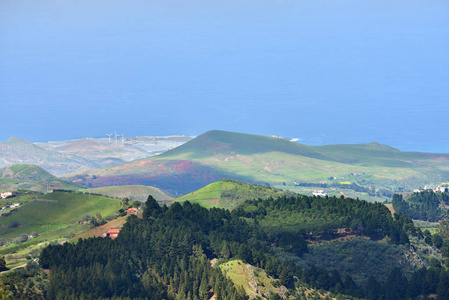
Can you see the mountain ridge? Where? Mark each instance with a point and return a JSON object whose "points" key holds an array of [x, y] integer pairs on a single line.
{"points": [[276, 161]]}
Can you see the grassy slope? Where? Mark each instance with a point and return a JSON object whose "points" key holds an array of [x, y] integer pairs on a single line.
{"points": [[133, 192], [68, 208], [254, 280], [273, 160], [224, 194], [257, 283], [208, 196]]}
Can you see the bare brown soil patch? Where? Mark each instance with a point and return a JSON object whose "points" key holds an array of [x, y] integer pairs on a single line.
{"points": [[98, 231], [390, 208]]}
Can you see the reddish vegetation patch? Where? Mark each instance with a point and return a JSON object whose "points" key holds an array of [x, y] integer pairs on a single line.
{"points": [[184, 165], [181, 176], [212, 201], [144, 162]]}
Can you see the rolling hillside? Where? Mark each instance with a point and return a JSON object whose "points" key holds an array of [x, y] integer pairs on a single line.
{"points": [[30, 177], [56, 214], [278, 162]]}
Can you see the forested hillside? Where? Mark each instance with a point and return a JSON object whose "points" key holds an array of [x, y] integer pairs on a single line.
{"points": [[426, 205], [167, 253]]}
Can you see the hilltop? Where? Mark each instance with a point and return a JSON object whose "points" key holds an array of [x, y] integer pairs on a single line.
{"points": [[229, 194], [217, 144], [30, 177], [214, 155]]}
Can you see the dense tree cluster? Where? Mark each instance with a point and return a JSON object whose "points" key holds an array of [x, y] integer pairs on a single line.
{"points": [[166, 255], [325, 217], [426, 205], [28, 283]]}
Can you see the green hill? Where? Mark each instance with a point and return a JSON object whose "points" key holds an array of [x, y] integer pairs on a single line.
{"points": [[30, 177], [55, 215], [216, 143], [278, 162], [229, 194]]}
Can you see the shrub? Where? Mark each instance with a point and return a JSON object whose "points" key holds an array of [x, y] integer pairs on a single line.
{"points": [[13, 224], [20, 239]]}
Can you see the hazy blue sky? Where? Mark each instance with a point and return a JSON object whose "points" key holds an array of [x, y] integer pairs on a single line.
{"points": [[324, 71]]}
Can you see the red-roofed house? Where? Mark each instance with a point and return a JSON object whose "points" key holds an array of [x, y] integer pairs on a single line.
{"points": [[131, 210], [112, 233]]}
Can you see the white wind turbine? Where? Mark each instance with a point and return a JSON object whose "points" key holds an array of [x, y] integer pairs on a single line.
{"points": [[109, 135], [123, 139], [116, 135]]}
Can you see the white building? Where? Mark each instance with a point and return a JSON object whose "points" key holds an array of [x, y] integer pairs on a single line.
{"points": [[319, 193], [440, 189], [5, 194]]}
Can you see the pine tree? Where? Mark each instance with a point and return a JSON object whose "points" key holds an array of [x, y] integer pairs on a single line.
{"points": [[152, 208], [2, 263]]}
